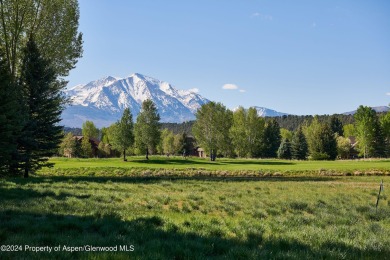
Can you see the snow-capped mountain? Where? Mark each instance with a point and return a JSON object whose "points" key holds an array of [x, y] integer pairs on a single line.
{"points": [[103, 101], [263, 112], [266, 112]]}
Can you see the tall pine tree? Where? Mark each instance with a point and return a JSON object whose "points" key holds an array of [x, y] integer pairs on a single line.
{"points": [[43, 104], [271, 139], [299, 147], [9, 116]]}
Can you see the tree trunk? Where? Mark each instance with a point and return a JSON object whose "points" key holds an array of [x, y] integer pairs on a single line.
{"points": [[147, 154], [25, 171], [124, 155]]}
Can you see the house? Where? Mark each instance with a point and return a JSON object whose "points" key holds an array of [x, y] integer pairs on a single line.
{"points": [[354, 153], [201, 153], [94, 144]]}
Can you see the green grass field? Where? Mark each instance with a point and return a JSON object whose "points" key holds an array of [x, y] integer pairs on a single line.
{"points": [[202, 217], [64, 166]]}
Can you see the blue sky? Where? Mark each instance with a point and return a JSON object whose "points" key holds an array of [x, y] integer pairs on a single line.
{"points": [[299, 57]]}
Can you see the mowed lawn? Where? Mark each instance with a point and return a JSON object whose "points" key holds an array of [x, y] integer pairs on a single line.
{"points": [[262, 165], [197, 218]]}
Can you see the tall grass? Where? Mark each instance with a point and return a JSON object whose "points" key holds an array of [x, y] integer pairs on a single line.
{"points": [[197, 218]]}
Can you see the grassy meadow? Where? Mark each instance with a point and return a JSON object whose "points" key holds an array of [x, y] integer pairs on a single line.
{"points": [[254, 167], [293, 216]]}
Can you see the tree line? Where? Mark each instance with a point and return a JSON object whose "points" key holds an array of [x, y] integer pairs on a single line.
{"points": [[125, 137], [244, 134]]}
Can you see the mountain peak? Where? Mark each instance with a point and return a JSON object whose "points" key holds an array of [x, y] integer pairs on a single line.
{"points": [[104, 100]]}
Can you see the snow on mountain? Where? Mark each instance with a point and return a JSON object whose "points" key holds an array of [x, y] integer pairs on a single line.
{"points": [[263, 112], [103, 101], [266, 112]]}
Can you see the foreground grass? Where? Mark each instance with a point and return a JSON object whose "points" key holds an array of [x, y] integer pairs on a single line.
{"points": [[176, 218]]}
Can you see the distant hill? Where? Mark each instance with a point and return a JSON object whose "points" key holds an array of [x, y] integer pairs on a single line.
{"points": [[380, 109]]}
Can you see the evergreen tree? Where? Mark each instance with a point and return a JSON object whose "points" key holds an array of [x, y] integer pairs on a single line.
{"points": [[284, 151], [336, 125], [9, 116], [379, 148], [321, 141], [43, 104], [271, 139], [299, 148], [123, 137], [147, 128], [385, 124], [328, 142]]}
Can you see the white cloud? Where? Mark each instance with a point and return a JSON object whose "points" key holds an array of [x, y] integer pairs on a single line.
{"points": [[194, 90], [388, 93], [265, 17], [230, 86], [242, 90]]}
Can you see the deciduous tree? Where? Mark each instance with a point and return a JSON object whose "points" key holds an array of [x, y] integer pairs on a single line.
{"points": [[54, 25], [123, 136], [211, 128], [89, 129], [147, 128]]}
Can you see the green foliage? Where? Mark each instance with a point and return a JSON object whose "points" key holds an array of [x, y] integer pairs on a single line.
{"points": [[246, 132], [385, 124], [299, 148], [123, 137], [293, 122], [86, 147], [43, 104], [54, 25], [179, 128], [271, 139], [238, 132], [168, 142], [284, 151], [69, 146], [9, 116], [211, 129], [286, 134], [369, 133], [336, 125], [89, 129], [321, 141], [146, 129], [349, 130], [343, 147]]}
